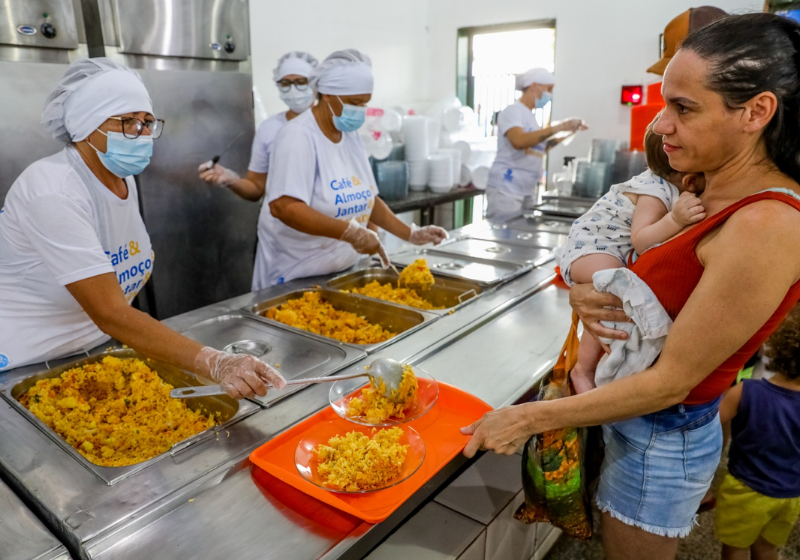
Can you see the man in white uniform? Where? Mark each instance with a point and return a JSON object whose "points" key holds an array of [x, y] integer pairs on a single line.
{"points": [[521, 146]]}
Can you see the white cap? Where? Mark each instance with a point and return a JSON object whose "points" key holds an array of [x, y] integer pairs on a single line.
{"points": [[91, 91], [534, 76], [346, 72], [295, 62]]}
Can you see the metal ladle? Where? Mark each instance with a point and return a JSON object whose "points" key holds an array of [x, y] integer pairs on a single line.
{"points": [[383, 369]]}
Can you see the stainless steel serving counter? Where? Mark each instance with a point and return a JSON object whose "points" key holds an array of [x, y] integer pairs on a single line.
{"points": [[22, 535], [210, 502]]}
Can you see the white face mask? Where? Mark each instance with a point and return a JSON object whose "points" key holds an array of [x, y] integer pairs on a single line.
{"points": [[298, 101]]}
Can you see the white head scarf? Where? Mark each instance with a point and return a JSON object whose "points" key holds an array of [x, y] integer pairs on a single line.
{"points": [[295, 62], [345, 72], [534, 76], [91, 91]]}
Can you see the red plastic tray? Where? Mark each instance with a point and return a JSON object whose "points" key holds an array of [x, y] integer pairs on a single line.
{"points": [[439, 429]]}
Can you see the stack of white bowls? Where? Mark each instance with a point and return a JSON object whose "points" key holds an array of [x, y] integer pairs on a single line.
{"points": [[416, 138], [440, 173], [455, 161]]}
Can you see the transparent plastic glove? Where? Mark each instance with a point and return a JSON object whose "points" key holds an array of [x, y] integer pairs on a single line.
{"points": [[427, 234], [217, 175], [239, 375], [364, 241]]}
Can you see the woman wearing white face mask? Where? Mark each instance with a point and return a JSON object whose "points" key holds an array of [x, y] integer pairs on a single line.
{"points": [[74, 251], [521, 146], [291, 77], [320, 192]]}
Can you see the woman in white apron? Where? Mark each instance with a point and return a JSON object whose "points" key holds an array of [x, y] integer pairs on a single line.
{"points": [[321, 193], [521, 146], [74, 251], [291, 77]]}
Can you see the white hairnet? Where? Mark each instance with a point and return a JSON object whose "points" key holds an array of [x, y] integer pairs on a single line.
{"points": [[346, 72], [91, 91], [295, 62], [534, 76]]}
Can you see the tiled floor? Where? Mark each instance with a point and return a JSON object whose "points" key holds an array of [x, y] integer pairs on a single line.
{"points": [[700, 545]]}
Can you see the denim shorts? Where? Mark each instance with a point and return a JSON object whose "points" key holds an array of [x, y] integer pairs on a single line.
{"points": [[658, 467]]}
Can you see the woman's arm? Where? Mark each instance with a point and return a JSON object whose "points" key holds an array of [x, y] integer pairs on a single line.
{"points": [[738, 292], [385, 218], [654, 224], [252, 187], [300, 216]]}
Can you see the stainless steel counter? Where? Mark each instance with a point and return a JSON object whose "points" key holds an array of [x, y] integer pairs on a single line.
{"points": [[211, 503], [22, 535]]}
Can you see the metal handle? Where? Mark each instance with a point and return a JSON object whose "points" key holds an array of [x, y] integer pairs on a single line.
{"points": [[462, 297], [213, 390]]}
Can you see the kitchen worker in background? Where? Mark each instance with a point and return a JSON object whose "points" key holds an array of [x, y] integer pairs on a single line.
{"points": [[521, 146], [74, 251], [321, 193], [291, 77]]}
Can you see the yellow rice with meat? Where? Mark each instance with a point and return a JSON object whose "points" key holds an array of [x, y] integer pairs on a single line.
{"points": [[417, 275], [356, 461], [116, 413], [387, 292], [312, 313], [376, 408]]}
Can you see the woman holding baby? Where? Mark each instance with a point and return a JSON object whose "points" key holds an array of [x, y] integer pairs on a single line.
{"points": [[727, 277]]}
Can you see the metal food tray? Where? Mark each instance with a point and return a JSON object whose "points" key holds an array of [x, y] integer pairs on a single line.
{"points": [[572, 208], [501, 232], [450, 293], [485, 272], [395, 318], [535, 223], [499, 251], [231, 410], [293, 355]]}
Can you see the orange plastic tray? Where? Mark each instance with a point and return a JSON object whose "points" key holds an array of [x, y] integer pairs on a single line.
{"points": [[439, 429]]}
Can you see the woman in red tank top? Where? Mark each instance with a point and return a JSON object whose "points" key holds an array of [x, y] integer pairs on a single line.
{"points": [[732, 113]]}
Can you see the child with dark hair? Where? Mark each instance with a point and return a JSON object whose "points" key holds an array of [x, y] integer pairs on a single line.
{"points": [[759, 500]]}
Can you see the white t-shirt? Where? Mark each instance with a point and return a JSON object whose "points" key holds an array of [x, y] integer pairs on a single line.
{"points": [[334, 179], [267, 130], [516, 171], [60, 225]]}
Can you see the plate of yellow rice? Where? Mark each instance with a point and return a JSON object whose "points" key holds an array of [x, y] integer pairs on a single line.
{"points": [[354, 459], [366, 404]]}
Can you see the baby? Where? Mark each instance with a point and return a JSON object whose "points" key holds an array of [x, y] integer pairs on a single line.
{"points": [[634, 216]]}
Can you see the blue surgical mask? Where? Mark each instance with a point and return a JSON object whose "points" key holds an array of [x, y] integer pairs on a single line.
{"points": [[351, 119], [125, 156], [546, 98]]}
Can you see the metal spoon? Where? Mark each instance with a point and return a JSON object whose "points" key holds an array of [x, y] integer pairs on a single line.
{"points": [[383, 369]]}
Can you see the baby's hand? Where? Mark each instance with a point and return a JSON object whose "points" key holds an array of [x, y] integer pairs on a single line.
{"points": [[688, 210]]}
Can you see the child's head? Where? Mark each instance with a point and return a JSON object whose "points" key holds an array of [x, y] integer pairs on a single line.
{"points": [[783, 347], [658, 162]]}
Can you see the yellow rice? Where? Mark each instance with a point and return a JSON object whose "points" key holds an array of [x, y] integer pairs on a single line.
{"points": [[417, 274], [356, 462], [403, 296], [375, 408]]}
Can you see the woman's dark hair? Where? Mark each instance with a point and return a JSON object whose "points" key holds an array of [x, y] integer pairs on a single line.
{"points": [[783, 347], [751, 54]]}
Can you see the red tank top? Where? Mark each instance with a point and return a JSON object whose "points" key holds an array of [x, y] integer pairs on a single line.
{"points": [[672, 270]]}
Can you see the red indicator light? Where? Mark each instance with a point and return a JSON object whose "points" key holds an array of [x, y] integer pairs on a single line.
{"points": [[632, 95]]}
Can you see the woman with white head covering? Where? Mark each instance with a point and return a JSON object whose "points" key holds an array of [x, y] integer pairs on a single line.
{"points": [[521, 146], [321, 193], [291, 77], [74, 251]]}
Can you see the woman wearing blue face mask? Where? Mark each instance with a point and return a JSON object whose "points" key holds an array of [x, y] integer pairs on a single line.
{"points": [[521, 146], [291, 77], [74, 251], [320, 192]]}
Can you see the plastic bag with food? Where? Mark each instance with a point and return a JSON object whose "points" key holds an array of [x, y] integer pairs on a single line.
{"points": [[553, 473]]}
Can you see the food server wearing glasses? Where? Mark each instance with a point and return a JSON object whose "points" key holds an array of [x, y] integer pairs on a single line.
{"points": [[291, 77], [74, 251]]}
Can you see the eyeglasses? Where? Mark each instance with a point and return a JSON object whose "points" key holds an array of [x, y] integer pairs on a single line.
{"points": [[300, 83], [133, 128]]}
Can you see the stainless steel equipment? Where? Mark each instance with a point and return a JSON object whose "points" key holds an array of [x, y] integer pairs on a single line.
{"points": [[394, 318], [22, 535], [193, 57], [449, 293], [502, 232], [228, 412], [537, 223], [296, 356], [486, 272], [498, 251], [38, 39], [566, 206]]}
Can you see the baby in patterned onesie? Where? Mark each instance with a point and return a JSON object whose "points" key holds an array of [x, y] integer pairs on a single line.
{"points": [[633, 216]]}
